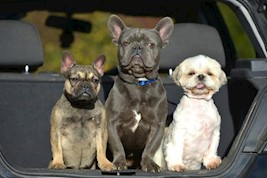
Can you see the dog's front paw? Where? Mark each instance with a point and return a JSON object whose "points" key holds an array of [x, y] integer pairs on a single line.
{"points": [[178, 168], [106, 166], [56, 165], [148, 165], [120, 163], [212, 162]]}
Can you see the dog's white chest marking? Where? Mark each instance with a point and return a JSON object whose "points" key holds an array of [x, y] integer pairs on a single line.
{"points": [[137, 120]]}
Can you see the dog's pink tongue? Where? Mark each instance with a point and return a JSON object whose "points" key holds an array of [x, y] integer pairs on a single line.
{"points": [[200, 85]]}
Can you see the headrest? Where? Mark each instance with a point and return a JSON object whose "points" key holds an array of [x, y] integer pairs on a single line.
{"points": [[20, 45], [189, 40]]}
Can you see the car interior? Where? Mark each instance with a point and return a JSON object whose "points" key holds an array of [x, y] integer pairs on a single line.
{"points": [[27, 97]]}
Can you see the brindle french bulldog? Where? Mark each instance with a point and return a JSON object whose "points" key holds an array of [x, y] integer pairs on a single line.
{"points": [[78, 120], [137, 103]]}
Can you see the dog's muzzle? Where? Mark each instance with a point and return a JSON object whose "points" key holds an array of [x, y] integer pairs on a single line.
{"points": [[137, 50], [139, 57], [201, 77], [136, 58], [85, 92]]}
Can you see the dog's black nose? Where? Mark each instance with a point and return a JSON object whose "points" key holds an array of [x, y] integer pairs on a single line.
{"points": [[137, 49], [200, 77], [87, 89], [86, 86]]}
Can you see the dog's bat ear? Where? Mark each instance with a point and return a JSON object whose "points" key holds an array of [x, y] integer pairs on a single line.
{"points": [[99, 63], [67, 61], [165, 27], [115, 26]]}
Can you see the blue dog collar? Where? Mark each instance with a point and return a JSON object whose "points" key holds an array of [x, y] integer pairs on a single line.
{"points": [[146, 82]]}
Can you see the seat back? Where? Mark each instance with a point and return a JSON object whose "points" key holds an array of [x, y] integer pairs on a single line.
{"points": [[187, 40], [20, 45], [25, 106], [190, 39], [26, 99]]}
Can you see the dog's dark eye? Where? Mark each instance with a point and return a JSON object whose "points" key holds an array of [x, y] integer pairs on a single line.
{"points": [[210, 74], [95, 80], [191, 73], [126, 43], [151, 45], [74, 79]]}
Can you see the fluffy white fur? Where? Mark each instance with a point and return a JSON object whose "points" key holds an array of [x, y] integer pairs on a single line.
{"points": [[194, 134]]}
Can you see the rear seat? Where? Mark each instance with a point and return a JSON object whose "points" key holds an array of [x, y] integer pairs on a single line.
{"points": [[27, 99], [20, 45]]}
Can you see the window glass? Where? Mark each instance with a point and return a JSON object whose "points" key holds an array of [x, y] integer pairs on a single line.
{"points": [[242, 43], [85, 46]]}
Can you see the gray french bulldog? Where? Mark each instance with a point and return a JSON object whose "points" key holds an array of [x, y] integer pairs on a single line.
{"points": [[137, 103]]}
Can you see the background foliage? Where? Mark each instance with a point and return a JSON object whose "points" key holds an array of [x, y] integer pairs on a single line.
{"points": [[86, 46]]}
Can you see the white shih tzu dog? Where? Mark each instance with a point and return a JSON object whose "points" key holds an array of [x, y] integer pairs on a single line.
{"points": [[193, 136]]}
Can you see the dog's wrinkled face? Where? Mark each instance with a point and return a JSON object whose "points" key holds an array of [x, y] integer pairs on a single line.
{"points": [[82, 82], [139, 51], [199, 76], [139, 48]]}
